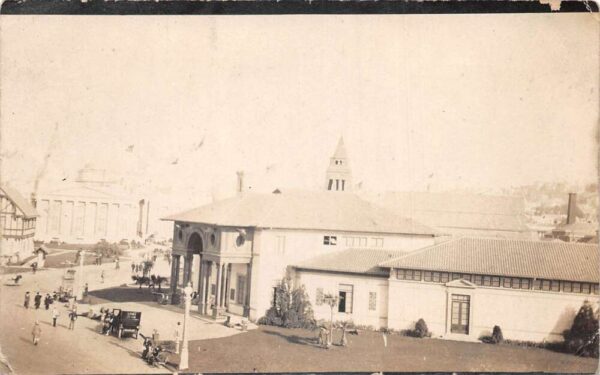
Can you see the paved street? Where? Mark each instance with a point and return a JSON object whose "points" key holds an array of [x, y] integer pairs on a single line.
{"points": [[84, 350]]}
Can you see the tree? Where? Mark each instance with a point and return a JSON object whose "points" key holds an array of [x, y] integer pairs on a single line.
{"points": [[291, 307], [582, 338]]}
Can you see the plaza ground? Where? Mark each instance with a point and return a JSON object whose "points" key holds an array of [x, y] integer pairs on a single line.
{"points": [[216, 348], [273, 349]]}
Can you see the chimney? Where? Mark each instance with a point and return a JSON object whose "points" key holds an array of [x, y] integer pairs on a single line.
{"points": [[240, 182], [34, 200], [572, 208]]}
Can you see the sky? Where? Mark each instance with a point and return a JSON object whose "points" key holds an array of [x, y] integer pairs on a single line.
{"points": [[178, 104]]}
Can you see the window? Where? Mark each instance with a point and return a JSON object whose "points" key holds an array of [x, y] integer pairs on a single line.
{"points": [[376, 242], [427, 276], [330, 240], [567, 287], [515, 283], [280, 246], [576, 287], [372, 301], [506, 282], [487, 281], [585, 288], [537, 284], [337, 184], [436, 277], [232, 294], [408, 275], [330, 185], [466, 277], [496, 281], [546, 285], [477, 280], [455, 276], [319, 297], [595, 288], [445, 277], [345, 298], [555, 286], [525, 284], [343, 184]]}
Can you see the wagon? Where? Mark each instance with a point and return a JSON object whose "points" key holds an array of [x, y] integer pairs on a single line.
{"points": [[126, 321]]}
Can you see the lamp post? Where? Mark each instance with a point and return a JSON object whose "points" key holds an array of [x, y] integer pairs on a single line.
{"points": [[79, 296], [184, 358]]}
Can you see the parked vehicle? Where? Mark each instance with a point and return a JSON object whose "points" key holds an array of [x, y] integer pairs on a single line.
{"points": [[126, 321]]}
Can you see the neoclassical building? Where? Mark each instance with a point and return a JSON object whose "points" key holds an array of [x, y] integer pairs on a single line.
{"points": [[235, 251], [92, 208]]}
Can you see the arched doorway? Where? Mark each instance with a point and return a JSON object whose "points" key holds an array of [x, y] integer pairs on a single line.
{"points": [[195, 243], [194, 249]]}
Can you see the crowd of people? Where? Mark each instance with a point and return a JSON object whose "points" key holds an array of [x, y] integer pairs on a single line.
{"points": [[55, 313]]}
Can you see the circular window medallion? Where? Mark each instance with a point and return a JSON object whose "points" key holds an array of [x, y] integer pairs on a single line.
{"points": [[240, 240]]}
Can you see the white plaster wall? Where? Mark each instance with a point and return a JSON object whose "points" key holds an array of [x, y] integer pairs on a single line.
{"points": [[301, 245], [362, 285], [410, 301], [522, 315]]}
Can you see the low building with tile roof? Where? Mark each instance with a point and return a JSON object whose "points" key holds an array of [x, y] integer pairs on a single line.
{"points": [[462, 288], [234, 251], [18, 222]]}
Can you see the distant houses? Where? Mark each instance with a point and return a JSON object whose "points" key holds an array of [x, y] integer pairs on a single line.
{"points": [[18, 219]]}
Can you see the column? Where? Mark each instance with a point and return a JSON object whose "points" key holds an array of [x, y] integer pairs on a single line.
{"points": [[248, 288], [187, 268], [201, 278], [174, 273], [218, 291], [207, 287], [227, 286], [222, 281]]}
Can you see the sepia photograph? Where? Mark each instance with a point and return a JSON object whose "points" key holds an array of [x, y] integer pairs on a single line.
{"points": [[299, 193]]}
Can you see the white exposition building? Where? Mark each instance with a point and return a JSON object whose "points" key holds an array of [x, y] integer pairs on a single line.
{"points": [[387, 269], [92, 208]]}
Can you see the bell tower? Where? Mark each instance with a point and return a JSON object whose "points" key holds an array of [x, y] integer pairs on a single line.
{"points": [[339, 174]]}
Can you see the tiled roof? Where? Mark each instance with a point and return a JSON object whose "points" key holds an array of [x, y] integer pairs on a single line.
{"points": [[322, 210], [362, 261], [501, 257], [22, 204], [459, 213]]}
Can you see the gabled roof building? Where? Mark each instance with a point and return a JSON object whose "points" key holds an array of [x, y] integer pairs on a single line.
{"points": [[17, 226]]}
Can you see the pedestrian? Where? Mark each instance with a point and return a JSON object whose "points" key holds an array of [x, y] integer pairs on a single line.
{"points": [[36, 332], [109, 323], [55, 315], [85, 290], [34, 267], [132, 268], [37, 300], [72, 319], [177, 338], [102, 277], [117, 264], [47, 301], [27, 298]]}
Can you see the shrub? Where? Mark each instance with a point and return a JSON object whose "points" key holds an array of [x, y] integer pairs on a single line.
{"points": [[421, 329], [582, 338], [497, 336], [292, 308]]}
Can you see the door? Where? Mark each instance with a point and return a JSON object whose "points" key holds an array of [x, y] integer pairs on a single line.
{"points": [[460, 314]]}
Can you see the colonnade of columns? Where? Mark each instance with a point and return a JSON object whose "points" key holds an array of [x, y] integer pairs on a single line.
{"points": [[209, 303]]}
